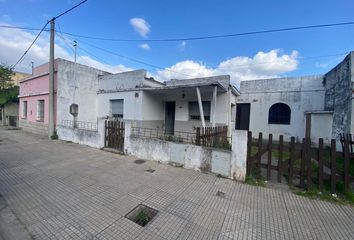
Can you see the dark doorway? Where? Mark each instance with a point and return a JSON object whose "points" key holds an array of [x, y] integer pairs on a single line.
{"points": [[243, 116], [170, 117]]}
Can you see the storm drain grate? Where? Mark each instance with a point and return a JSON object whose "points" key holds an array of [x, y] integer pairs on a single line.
{"points": [[220, 194], [150, 170], [142, 214], [139, 161]]}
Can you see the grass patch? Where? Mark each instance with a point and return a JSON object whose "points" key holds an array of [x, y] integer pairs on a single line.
{"points": [[315, 193], [68, 141], [252, 180]]}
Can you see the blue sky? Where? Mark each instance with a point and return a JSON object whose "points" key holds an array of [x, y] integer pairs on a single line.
{"points": [[174, 19]]}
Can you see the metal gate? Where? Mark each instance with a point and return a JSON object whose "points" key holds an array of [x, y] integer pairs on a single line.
{"points": [[114, 135]]}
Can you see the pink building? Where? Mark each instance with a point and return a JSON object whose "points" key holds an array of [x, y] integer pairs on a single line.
{"points": [[34, 100], [70, 80]]}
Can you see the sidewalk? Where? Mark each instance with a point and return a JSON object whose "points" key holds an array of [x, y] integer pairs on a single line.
{"points": [[64, 190]]}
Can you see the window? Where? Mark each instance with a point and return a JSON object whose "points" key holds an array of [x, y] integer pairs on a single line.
{"points": [[117, 108], [279, 113], [194, 113], [40, 110], [24, 109]]}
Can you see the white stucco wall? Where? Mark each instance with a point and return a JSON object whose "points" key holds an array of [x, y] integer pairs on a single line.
{"points": [[321, 127], [90, 138], [301, 94], [230, 164], [132, 104], [77, 84]]}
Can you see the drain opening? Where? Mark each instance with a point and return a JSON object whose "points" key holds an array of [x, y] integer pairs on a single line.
{"points": [[220, 194], [150, 170], [139, 161], [142, 214]]}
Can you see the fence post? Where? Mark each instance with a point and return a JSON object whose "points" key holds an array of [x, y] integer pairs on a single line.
{"points": [[280, 158], [197, 137], [309, 167], [346, 165], [333, 166], [303, 159], [249, 148], [105, 133], [291, 160], [259, 155], [320, 164], [269, 163]]}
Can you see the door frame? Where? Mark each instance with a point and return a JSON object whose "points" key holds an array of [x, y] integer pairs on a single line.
{"points": [[171, 104], [239, 114]]}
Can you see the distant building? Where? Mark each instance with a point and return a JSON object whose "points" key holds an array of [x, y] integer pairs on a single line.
{"points": [[310, 106], [18, 76], [9, 110]]}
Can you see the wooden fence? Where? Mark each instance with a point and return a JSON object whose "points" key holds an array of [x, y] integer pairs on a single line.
{"points": [[300, 163], [212, 136]]}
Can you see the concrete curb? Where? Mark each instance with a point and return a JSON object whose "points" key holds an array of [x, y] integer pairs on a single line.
{"points": [[10, 226]]}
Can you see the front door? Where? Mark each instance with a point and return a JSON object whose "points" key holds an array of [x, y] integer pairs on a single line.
{"points": [[243, 116], [170, 117]]}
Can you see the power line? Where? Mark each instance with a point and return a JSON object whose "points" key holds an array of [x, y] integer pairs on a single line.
{"points": [[58, 16], [186, 38], [70, 9], [135, 60], [24, 54], [212, 36]]}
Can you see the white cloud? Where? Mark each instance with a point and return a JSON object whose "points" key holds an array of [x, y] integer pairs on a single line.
{"points": [[182, 46], [140, 26], [14, 42], [262, 65], [145, 46]]}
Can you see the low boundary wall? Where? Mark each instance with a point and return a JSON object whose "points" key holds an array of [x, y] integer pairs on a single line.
{"points": [[231, 164], [82, 136]]}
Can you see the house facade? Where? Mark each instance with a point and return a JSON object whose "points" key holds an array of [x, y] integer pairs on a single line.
{"points": [[172, 106], [310, 106], [34, 93]]}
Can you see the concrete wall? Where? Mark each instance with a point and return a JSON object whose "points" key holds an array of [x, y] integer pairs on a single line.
{"points": [[9, 110], [231, 164], [301, 94], [124, 81], [34, 127], [338, 96], [86, 137], [77, 84], [321, 127]]}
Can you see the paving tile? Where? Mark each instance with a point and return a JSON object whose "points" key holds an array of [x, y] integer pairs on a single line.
{"points": [[68, 191]]}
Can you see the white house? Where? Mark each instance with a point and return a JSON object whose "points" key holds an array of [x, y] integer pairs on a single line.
{"points": [[175, 105], [311, 106]]}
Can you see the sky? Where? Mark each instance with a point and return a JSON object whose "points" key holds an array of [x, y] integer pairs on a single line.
{"points": [[290, 53]]}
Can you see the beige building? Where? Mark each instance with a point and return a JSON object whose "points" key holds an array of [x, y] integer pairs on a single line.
{"points": [[9, 111], [18, 76]]}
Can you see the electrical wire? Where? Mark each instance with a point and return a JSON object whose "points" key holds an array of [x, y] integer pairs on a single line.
{"points": [[40, 32], [24, 54], [187, 38], [212, 36]]}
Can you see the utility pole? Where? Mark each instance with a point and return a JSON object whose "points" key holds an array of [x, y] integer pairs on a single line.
{"points": [[32, 66], [51, 80], [75, 47]]}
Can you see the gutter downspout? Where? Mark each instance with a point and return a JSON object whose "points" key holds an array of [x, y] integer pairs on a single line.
{"points": [[200, 107]]}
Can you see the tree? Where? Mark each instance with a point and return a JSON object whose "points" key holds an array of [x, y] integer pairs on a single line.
{"points": [[8, 92], [5, 77]]}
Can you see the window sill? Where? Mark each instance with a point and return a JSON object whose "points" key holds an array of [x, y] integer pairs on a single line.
{"points": [[278, 123], [39, 120]]}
